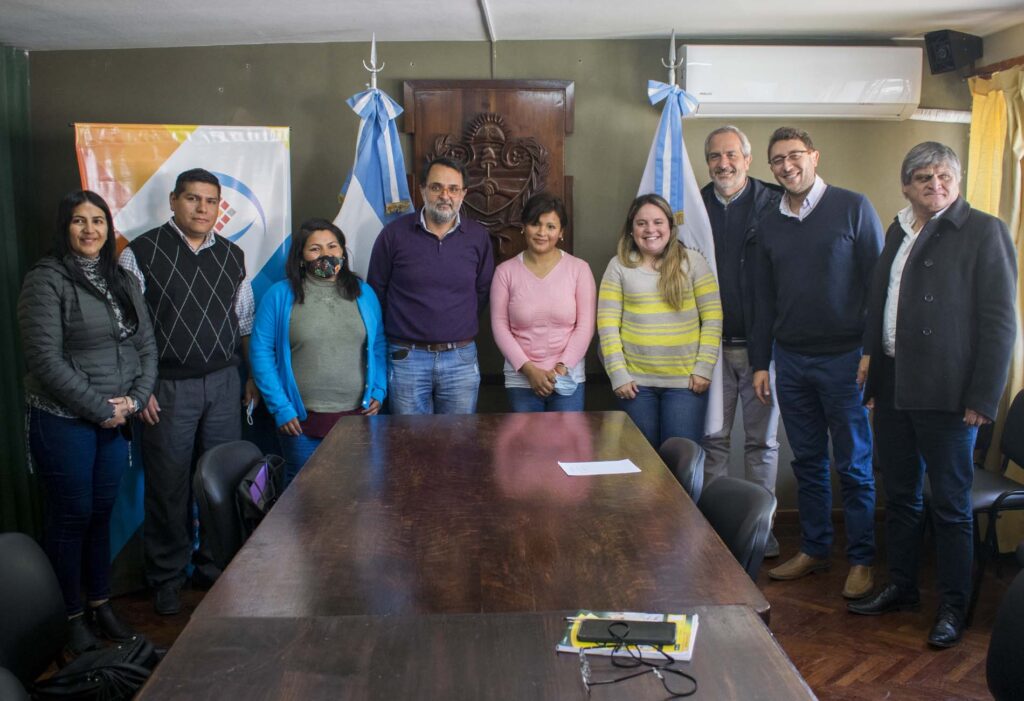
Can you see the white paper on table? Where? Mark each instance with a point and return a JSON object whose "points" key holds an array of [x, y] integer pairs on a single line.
{"points": [[602, 467]]}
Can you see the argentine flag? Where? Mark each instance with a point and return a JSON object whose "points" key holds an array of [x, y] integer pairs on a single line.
{"points": [[669, 174], [376, 190]]}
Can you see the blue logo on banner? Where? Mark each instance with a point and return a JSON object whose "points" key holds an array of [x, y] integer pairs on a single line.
{"points": [[230, 210]]}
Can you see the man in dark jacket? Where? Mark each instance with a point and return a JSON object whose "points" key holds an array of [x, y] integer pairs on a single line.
{"points": [[735, 205], [940, 332]]}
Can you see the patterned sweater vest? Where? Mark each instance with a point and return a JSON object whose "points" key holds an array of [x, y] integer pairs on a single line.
{"points": [[191, 299]]}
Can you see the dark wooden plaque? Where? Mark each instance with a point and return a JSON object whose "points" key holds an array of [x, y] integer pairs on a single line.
{"points": [[509, 133]]}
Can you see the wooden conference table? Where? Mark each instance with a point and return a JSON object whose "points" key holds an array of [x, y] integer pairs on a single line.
{"points": [[426, 546], [445, 657], [472, 514]]}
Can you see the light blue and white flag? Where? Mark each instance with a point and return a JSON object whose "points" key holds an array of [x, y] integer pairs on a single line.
{"points": [[669, 174], [376, 191]]}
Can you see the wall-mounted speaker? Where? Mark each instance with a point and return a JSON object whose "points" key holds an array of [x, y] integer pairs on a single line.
{"points": [[950, 51]]}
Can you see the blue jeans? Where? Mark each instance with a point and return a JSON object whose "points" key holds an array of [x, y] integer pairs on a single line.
{"points": [[423, 382], [910, 442], [667, 412], [296, 450], [525, 399], [81, 466], [819, 398]]}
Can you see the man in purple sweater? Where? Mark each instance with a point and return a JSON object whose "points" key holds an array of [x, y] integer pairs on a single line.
{"points": [[817, 252], [432, 273]]}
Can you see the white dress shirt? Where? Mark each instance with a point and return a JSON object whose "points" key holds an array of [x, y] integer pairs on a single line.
{"points": [[809, 203], [906, 219]]}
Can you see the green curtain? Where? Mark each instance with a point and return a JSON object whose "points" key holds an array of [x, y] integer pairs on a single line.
{"points": [[20, 504]]}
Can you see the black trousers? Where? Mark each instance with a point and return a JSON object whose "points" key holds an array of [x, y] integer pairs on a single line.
{"points": [[910, 445], [196, 414]]}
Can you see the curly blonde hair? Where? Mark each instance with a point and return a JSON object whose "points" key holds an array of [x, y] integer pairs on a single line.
{"points": [[672, 265]]}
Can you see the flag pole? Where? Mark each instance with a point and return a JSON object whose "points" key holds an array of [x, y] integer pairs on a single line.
{"points": [[375, 191], [672, 64], [373, 67], [669, 173]]}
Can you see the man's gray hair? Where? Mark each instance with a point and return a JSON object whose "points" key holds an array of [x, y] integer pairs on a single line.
{"points": [[929, 153], [728, 129]]}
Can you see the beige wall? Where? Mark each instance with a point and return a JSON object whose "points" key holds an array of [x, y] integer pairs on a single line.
{"points": [[1003, 45], [304, 86]]}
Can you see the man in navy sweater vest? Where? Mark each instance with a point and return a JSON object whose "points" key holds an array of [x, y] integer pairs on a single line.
{"points": [[202, 308], [817, 253]]}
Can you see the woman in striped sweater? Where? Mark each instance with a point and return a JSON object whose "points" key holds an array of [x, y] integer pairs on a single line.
{"points": [[659, 319]]}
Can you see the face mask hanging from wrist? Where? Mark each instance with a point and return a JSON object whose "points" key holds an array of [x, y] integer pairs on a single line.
{"points": [[565, 385], [323, 267]]}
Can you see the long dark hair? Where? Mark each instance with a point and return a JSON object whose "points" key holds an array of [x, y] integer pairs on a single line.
{"points": [[115, 278], [295, 269]]}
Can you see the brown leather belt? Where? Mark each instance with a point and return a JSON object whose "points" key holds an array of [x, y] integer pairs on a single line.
{"points": [[431, 347]]}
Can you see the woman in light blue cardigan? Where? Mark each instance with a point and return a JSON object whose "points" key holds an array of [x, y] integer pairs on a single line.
{"points": [[317, 348]]}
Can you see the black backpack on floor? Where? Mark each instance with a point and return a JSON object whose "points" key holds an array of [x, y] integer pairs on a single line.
{"points": [[110, 674]]}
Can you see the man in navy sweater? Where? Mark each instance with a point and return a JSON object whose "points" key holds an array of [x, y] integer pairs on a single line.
{"points": [[432, 273], [817, 253]]}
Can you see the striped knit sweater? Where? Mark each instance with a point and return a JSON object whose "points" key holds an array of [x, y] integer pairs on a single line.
{"points": [[645, 340]]}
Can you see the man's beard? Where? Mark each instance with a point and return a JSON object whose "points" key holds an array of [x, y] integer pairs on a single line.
{"points": [[440, 216]]}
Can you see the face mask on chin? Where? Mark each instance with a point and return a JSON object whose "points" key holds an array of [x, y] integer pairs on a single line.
{"points": [[324, 266]]}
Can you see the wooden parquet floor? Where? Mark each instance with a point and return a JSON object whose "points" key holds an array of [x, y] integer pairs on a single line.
{"points": [[842, 656]]}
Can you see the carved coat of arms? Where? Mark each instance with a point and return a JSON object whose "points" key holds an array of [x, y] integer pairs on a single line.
{"points": [[504, 172]]}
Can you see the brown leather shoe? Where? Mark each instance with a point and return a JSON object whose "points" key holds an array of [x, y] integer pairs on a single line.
{"points": [[798, 566], [859, 582]]}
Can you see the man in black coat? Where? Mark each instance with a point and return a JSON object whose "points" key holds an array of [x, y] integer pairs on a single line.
{"points": [[939, 336], [735, 204]]}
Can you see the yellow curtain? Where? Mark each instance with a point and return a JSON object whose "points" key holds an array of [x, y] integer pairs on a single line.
{"points": [[997, 143], [987, 147]]}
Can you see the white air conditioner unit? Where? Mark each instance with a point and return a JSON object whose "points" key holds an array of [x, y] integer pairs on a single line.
{"points": [[839, 82]]}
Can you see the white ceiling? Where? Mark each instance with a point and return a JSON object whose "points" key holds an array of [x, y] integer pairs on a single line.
{"points": [[113, 24]]}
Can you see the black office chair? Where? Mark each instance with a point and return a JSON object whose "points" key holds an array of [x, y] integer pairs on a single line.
{"points": [[1004, 668], [11, 688], [994, 492], [741, 513], [31, 608], [686, 461], [218, 473]]}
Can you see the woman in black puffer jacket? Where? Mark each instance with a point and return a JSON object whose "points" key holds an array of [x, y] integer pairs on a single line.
{"points": [[91, 362]]}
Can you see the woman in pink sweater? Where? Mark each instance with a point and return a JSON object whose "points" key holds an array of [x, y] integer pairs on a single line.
{"points": [[542, 314]]}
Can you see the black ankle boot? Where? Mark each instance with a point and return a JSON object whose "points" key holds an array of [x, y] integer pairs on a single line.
{"points": [[106, 624], [80, 639]]}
